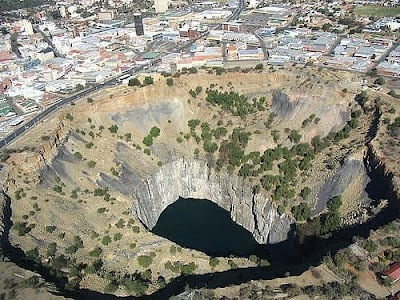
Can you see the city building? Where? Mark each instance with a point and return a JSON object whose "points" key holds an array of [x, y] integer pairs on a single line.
{"points": [[253, 3], [28, 27], [161, 6], [105, 15], [234, 26], [63, 11], [45, 55], [138, 24]]}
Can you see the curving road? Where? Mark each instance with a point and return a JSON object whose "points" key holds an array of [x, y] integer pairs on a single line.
{"points": [[134, 70]]}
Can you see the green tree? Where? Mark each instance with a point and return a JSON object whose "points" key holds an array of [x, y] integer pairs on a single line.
{"points": [[380, 80], [96, 252], [106, 240], [334, 204], [155, 131], [79, 87], [294, 136], [259, 67], [305, 192], [188, 268], [213, 262], [301, 212], [91, 163], [113, 128], [134, 82], [51, 249], [148, 141], [148, 80], [145, 260], [362, 98], [330, 222]]}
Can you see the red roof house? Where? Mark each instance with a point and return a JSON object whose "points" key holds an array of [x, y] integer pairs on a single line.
{"points": [[393, 272]]}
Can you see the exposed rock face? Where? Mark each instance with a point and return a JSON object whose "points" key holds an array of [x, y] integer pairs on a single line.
{"points": [[294, 108], [352, 171], [194, 179], [283, 107]]}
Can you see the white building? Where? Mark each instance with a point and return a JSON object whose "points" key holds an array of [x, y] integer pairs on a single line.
{"points": [[63, 11], [253, 3], [161, 6], [28, 27]]}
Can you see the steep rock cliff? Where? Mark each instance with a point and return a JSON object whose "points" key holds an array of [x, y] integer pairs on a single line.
{"points": [[348, 175], [194, 179]]}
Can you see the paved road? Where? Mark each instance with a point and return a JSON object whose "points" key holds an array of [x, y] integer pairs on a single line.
{"points": [[262, 45], [134, 70]]}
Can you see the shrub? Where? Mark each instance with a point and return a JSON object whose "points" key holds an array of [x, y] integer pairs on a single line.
{"points": [[334, 204], [106, 240], [253, 258], [117, 236], [259, 67], [193, 70], [144, 260], [71, 249], [134, 82], [170, 81], [78, 155], [188, 268], [113, 128], [111, 288], [78, 242], [301, 212], [96, 252], [380, 80], [33, 254], [369, 245], [50, 229], [232, 264], [148, 80], [120, 224], [148, 141], [294, 136], [57, 189], [213, 262], [155, 132], [51, 249], [305, 192], [91, 163]]}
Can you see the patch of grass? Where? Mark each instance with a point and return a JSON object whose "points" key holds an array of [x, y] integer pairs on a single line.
{"points": [[378, 11]]}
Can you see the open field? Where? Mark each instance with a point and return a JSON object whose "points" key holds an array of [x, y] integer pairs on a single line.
{"points": [[378, 11]]}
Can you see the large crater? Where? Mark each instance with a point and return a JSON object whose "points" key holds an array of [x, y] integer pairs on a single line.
{"points": [[192, 178], [92, 175]]}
